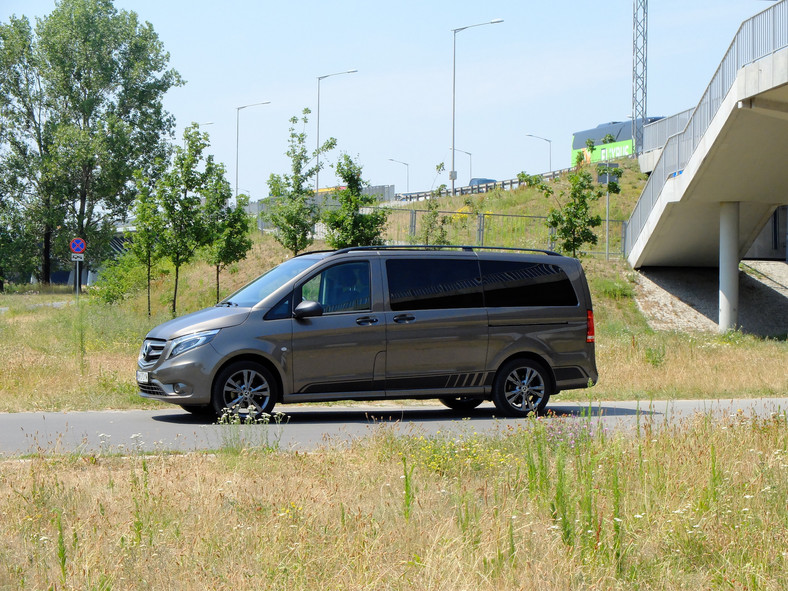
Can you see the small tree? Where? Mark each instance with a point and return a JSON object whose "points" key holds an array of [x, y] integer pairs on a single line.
{"points": [[347, 225], [293, 212], [179, 194], [573, 221], [145, 244], [434, 226], [228, 229]]}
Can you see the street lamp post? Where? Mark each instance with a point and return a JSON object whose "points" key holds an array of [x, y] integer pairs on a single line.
{"points": [[317, 153], [453, 172], [237, 126], [550, 142], [407, 173], [470, 165]]}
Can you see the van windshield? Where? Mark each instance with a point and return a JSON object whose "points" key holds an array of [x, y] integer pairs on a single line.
{"points": [[269, 282]]}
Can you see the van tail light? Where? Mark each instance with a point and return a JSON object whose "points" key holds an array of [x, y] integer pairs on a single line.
{"points": [[590, 327]]}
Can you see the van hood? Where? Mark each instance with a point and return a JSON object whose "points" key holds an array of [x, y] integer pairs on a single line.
{"points": [[207, 319]]}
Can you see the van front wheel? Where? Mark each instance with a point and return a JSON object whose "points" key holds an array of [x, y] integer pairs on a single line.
{"points": [[245, 388], [521, 387]]}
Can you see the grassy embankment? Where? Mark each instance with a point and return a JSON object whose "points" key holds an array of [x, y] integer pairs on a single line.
{"points": [[554, 504], [69, 358]]}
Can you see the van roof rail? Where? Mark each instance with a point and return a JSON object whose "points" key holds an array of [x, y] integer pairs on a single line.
{"points": [[420, 247]]}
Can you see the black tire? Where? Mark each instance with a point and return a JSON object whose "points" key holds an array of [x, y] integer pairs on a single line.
{"points": [[522, 387], [246, 388], [199, 410], [461, 403]]}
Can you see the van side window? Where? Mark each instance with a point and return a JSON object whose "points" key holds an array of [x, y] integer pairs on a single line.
{"points": [[430, 284], [341, 288], [518, 284]]}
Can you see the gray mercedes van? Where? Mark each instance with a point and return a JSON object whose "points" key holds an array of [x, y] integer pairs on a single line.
{"points": [[460, 324]]}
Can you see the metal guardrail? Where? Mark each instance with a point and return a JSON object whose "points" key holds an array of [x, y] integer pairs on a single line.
{"points": [[406, 226], [759, 36], [508, 185]]}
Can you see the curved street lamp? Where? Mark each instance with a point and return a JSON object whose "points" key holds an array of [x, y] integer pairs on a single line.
{"points": [[470, 166], [237, 125], [453, 173], [551, 147], [407, 173]]}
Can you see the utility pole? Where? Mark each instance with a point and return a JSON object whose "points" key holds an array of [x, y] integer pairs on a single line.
{"points": [[639, 71]]}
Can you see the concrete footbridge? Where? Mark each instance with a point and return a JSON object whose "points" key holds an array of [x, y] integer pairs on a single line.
{"points": [[719, 171]]}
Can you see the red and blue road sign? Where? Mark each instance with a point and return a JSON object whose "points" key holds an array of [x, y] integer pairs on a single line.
{"points": [[77, 246]]}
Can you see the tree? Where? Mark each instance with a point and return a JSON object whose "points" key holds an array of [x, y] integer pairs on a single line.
{"points": [[227, 228], [293, 212], [17, 242], [573, 221], [82, 102], [144, 243], [179, 195], [434, 225], [347, 225]]}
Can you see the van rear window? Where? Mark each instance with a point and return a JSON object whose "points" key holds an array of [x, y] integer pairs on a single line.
{"points": [[520, 284], [433, 284]]}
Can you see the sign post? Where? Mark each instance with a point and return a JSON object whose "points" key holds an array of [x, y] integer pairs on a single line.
{"points": [[77, 247]]}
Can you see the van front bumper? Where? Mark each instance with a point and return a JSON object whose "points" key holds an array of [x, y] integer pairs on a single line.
{"points": [[185, 379]]}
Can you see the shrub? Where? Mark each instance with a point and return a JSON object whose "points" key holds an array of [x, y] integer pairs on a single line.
{"points": [[120, 278]]}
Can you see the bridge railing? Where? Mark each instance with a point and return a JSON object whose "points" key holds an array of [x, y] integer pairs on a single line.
{"points": [[655, 135], [759, 36]]}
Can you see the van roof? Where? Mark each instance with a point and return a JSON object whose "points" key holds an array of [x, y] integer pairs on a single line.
{"points": [[442, 247]]}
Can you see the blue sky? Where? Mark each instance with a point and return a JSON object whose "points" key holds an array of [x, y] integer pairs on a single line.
{"points": [[549, 69]]}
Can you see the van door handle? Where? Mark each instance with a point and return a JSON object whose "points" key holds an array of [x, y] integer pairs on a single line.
{"points": [[366, 320], [404, 318]]}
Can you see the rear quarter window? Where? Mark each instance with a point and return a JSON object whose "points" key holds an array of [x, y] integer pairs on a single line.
{"points": [[526, 284], [433, 284]]}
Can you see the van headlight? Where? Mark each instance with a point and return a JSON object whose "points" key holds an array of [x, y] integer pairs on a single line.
{"points": [[190, 341]]}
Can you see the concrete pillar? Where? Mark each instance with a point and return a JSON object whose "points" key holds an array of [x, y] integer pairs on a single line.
{"points": [[729, 266]]}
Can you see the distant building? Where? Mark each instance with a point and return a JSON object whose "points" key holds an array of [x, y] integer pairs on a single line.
{"points": [[622, 145]]}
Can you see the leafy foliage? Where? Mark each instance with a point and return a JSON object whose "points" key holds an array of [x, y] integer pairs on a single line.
{"points": [[121, 278], [293, 212], [573, 221], [228, 228], [347, 225], [81, 96], [187, 209], [144, 243], [434, 225]]}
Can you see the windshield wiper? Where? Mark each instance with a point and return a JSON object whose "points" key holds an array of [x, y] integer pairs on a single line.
{"points": [[227, 304]]}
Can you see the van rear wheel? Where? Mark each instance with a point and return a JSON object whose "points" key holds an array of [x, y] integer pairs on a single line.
{"points": [[461, 403], [245, 388], [522, 387]]}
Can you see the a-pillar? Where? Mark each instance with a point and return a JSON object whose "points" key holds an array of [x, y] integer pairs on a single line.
{"points": [[729, 266]]}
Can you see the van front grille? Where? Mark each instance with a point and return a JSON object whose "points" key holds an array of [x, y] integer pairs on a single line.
{"points": [[151, 352]]}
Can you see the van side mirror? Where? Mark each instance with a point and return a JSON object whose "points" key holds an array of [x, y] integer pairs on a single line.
{"points": [[307, 309]]}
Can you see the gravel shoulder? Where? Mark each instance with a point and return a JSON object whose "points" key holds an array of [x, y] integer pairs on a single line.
{"points": [[687, 299]]}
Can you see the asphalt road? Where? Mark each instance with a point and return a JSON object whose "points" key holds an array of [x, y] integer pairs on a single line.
{"points": [[310, 426]]}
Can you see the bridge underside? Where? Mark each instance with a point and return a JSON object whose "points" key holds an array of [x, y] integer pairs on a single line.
{"points": [[742, 158]]}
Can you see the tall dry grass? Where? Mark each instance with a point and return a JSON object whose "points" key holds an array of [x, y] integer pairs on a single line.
{"points": [[78, 358], [556, 504]]}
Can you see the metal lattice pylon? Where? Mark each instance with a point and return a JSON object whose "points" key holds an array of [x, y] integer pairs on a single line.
{"points": [[639, 69]]}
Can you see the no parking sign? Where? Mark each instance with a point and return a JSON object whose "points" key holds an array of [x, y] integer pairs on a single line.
{"points": [[77, 247]]}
